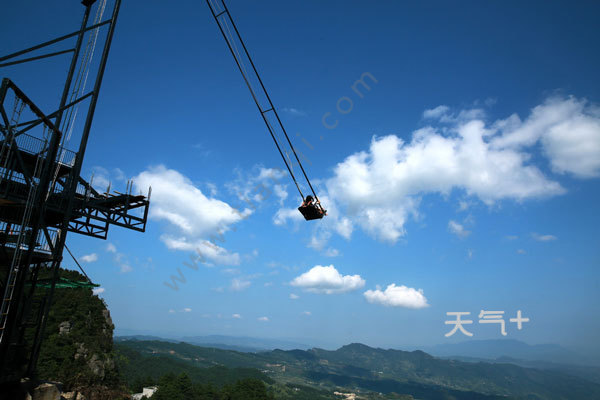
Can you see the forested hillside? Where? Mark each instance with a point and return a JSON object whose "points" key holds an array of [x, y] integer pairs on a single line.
{"points": [[77, 348], [368, 371]]}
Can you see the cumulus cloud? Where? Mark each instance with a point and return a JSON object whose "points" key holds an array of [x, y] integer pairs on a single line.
{"points": [[111, 248], [568, 130], [236, 316], [98, 290], [380, 189], [187, 210], [294, 296], [307, 313], [258, 185], [543, 238], [187, 309], [90, 258], [458, 229], [238, 284], [206, 251], [327, 280], [397, 296], [176, 200], [436, 112], [263, 319]]}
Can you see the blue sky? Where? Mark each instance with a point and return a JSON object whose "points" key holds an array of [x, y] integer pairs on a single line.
{"points": [[466, 175]]}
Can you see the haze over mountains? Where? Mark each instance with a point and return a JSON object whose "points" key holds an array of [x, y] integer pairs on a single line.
{"points": [[474, 349]]}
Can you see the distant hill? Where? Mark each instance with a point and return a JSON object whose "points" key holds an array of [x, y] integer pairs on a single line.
{"points": [[242, 343], [357, 367], [144, 337], [514, 349], [237, 343], [590, 373]]}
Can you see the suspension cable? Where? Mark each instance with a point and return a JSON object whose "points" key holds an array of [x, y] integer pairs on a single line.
{"points": [[74, 259], [216, 12]]}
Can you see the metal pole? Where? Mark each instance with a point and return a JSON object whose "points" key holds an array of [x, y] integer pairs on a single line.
{"points": [[39, 46], [57, 253]]}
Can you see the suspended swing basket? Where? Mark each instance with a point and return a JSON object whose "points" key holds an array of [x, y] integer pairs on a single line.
{"points": [[311, 212]]}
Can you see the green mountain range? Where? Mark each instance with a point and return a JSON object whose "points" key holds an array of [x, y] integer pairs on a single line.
{"points": [[368, 372]]}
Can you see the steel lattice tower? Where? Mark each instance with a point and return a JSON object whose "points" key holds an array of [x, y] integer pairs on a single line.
{"points": [[42, 195]]}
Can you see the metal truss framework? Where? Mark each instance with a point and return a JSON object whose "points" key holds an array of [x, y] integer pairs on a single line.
{"points": [[42, 195]]}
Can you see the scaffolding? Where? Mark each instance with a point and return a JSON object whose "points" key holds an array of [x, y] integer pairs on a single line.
{"points": [[42, 193]]}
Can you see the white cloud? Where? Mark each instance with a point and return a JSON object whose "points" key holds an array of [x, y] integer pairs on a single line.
{"points": [[457, 229], [307, 313], [231, 271], [543, 238], [236, 316], [294, 111], [101, 178], [436, 113], [98, 290], [258, 185], [464, 205], [239, 284], [511, 237], [521, 251], [90, 258], [263, 319], [381, 188], [294, 296], [328, 280], [124, 268], [281, 193], [119, 174], [119, 258], [331, 252], [319, 239], [176, 200], [206, 251], [443, 114], [212, 189], [568, 130], [284, 214], [397, 296], [187, 309]]}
